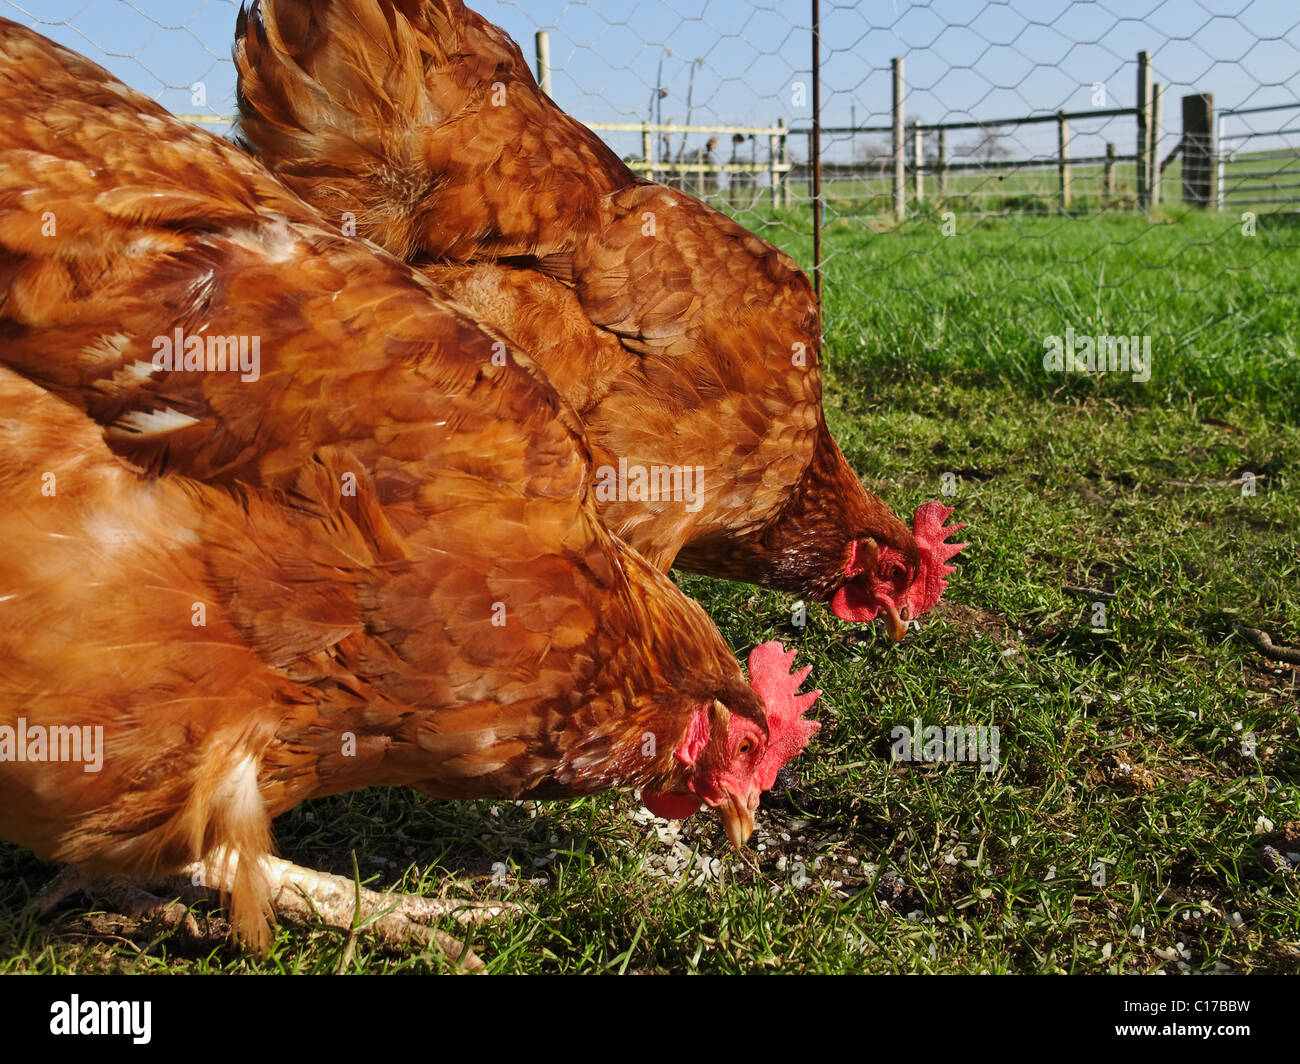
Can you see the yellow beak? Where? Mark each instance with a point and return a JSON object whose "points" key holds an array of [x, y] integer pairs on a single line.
{"points": [[895, 623], [737, 815]]}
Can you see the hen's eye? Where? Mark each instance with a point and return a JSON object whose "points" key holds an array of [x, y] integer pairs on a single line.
{"points": [[745, 747], [896, 574]]}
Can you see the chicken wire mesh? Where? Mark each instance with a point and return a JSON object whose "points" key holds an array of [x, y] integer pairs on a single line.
{"points": [[1052, 117]]}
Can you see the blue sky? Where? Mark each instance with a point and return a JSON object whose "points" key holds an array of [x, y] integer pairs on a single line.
{"points": [[965, 59]]}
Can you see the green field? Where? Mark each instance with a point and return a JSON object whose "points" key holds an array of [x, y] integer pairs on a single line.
{"points": [[1148, 790], [1265, 182]]}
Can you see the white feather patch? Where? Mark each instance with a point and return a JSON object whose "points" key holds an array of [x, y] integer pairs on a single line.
{"points": [[151, 423], [238, 792], [106, 348], [126, 377], [274, 241]]}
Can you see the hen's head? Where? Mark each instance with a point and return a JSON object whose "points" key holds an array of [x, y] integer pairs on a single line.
{"points": [[881, 578], [729, 760]]}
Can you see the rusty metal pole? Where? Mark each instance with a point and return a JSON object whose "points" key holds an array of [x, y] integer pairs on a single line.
{"points": [[900, 152], [816, 151]]}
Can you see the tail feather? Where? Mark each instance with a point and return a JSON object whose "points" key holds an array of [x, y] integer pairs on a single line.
{"points": [[422, 122], [333, 93]]}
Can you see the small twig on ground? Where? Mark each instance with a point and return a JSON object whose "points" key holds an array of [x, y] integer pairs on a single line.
{"points": [[1236, 482], [1263, 642], [1090, 592]]}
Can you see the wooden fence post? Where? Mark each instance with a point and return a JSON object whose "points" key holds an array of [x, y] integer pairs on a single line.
{"points": [[1221, 159], [647, 146], [785, 163], [1157, 107], [543, 42], [900, 152], [1108, 176], [918, 161], [939, 176], [1143, 130], [810, 166], [774, 157], [1063, 157], [1198, 150]]}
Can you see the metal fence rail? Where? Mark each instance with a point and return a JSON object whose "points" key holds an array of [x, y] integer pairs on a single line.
{"points": [[911, 165], [1257, 176], [697, 171]]}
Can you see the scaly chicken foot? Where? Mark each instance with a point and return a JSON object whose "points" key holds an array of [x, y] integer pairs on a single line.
{"points": [[303, 896], [123, 897]]}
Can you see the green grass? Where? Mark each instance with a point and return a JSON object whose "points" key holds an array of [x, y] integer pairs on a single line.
{"points": [[972, 299], [1249, 180], [1121, 740]]}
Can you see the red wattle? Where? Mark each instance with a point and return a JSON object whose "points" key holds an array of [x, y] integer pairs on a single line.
{"points": [[849, 604], [671, 806]]}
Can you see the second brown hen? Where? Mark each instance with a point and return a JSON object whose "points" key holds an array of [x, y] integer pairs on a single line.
{"points": [[688, 346]]}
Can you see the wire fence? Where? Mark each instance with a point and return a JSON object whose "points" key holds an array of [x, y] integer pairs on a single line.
{"points": [[921, 115], [733, 81], [1258, 154]]}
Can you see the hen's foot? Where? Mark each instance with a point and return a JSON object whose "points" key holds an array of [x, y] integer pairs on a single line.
{"points": [[303, 896], [121, 896]]}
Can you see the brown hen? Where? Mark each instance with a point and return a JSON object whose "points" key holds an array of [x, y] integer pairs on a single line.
{"points": [[688, 346], [279, 524]]}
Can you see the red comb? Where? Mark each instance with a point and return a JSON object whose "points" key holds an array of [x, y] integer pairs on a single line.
{"points": [[930, 534], [787, 731]]}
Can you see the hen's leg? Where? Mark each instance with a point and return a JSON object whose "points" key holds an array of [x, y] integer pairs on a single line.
{"points": [[303, 896], [124, 897]]}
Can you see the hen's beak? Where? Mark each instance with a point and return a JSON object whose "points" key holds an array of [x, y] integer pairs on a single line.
{"points": [[895, 624], [737, 814]]}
